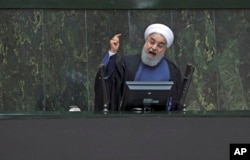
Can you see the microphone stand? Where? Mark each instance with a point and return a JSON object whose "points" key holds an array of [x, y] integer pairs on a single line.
{"points": [[185, 85], [105, 96]]}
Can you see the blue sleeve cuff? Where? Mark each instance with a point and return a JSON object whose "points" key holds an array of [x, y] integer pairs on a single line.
{"points": [[105, 59]]}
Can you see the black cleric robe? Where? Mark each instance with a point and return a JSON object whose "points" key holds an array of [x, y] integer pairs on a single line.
{"points": [[125, 69]]}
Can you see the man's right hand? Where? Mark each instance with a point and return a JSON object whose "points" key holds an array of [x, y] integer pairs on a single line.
{"points": [[115, 43]]}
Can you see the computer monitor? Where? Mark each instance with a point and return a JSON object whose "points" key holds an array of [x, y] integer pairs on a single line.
{"points": [[146, 95]]}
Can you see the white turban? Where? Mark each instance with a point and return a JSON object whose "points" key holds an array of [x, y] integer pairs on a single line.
{"points": [[163, 30]]}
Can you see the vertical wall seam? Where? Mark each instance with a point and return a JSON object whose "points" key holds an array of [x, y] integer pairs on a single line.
{"points": [[86, 52], [43, 63]]}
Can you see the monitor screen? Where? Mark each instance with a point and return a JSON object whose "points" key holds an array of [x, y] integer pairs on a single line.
{"points": [[146, 95]]}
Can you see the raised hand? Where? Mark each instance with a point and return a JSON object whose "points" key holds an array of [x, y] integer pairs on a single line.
{"points": [[115, 43]]}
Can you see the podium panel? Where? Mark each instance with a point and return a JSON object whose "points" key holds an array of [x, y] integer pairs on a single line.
{"points": [[122, 138]]}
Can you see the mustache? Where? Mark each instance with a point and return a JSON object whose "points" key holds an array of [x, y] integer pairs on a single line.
{"points": [[152, 52], [150, 61]]}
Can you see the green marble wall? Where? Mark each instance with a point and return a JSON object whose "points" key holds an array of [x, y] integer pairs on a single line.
{"points": [[49, 57]]}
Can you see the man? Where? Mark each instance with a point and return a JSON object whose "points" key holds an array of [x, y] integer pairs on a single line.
{"points": [[150, 65]]}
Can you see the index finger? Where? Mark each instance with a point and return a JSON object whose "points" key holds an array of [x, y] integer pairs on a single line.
{"points": [[117, 36]]}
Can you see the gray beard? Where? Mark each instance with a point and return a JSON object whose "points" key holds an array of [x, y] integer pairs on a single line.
{"points": [[150, 61]]}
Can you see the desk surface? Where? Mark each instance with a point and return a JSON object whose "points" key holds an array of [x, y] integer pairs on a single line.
{"points": [[86, 114], [123, 136]]}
